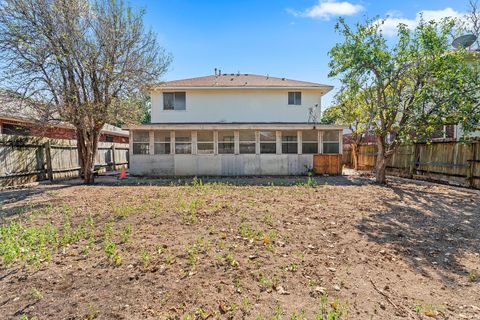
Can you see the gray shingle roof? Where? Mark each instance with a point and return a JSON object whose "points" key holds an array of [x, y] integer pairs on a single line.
{"points": [[237, 80]]}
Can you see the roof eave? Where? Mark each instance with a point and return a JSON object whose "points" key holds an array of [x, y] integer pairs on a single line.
{"points": [[161, 88], [234, 126]]}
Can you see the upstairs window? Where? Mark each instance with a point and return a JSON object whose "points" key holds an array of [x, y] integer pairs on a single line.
{"points": [[226, 142], [205, 142], [289, 142], [268, 142], [174, 101], [295, 98], [331, 142], [141, 142], [162, 142], [183, 142]]}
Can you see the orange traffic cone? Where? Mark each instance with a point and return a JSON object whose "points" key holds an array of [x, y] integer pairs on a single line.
{"points": [[123, 174]]}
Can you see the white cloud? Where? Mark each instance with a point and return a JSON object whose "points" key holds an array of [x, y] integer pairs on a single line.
{"points": [[325, 9], [390, 25]]}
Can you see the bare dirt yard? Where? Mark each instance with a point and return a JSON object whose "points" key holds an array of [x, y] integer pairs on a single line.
{"points": [[259, 248]]}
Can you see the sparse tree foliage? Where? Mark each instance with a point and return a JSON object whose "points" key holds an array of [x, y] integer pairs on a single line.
{"points": [[353, 109], [84, 60], [411, 84], [473, 20]]}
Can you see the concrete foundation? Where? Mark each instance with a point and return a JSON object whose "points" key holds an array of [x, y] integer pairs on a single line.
{"points": [[220, 165]]}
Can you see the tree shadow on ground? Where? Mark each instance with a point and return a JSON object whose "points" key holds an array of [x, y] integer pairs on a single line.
{"points": [[433, 231], [15, 202]]}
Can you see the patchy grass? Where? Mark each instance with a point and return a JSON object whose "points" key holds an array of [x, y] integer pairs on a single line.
{"points": [[307, 249]]}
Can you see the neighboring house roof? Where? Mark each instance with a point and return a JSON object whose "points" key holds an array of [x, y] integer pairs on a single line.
{"points": [[237, 80], [14, 108]]}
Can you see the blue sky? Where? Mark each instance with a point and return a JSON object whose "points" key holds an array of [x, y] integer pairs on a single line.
{"points": [[280, 38]]}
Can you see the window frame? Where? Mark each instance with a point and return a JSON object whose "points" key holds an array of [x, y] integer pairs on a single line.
{"points": [[188, 143], [268, 143], [289, 142], [206, 142], [223, 142], [310, 142], [247, 142], [297, 98], [144, 145], [15, 129], [174, 107], [331, 142], [164, 143]]}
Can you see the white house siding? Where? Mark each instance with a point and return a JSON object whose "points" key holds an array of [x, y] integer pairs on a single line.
{"points": [[239, 105], [220, 165]]}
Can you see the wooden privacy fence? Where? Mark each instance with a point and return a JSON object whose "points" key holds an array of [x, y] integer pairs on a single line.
{"points": [[28, 159], [456, 163]]}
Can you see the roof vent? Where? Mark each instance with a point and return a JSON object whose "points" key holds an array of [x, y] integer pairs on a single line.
{"points": [[246, 74], [231, 79], [232, 74], [283, 79]]}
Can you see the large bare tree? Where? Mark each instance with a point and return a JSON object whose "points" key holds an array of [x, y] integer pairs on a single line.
{"points": [[84, 60]]}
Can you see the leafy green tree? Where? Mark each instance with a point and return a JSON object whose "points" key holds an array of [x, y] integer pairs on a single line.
{"points": [[411, 85], [329, 116]]}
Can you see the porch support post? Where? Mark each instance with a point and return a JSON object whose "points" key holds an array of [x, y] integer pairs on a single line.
{"points": [[320, 141], [215, 142], [299, 142], [257, 142], [151, 142], [194, 142], [236, 142], [172, 141], [130, 144], [278, 140], [340, 142]]}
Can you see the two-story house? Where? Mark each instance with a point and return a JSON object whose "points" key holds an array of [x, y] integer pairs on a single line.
{"points": [[232, 125]]}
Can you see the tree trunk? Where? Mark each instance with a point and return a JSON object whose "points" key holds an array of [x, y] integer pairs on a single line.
{"points": [[87, 143], [381, 165], [355, 155]]}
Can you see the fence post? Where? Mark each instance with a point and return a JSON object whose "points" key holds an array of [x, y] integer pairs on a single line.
{"points": [[413, 163], [114, 167], [48, 158], [472, 163]]}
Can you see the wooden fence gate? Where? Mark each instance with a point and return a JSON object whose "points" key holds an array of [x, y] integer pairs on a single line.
{"points": [[327, 164]]}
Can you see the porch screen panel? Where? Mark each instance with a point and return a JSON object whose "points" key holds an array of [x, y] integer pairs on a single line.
{"points": [[268, 142], [162, 142], [141, 142], [205, 142], [310, 142], [226, 144], [183, 142], [247, 142], [289, 142], [331, 143]]}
